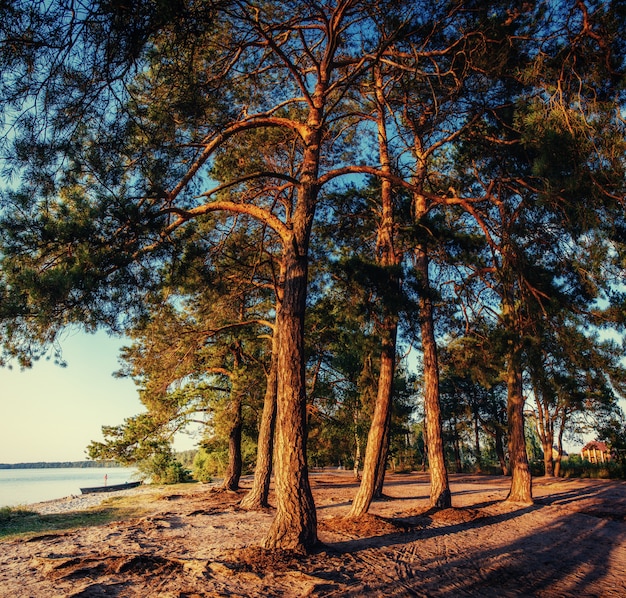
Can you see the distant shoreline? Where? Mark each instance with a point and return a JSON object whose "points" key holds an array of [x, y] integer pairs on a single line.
{"points": [[59, 464]]}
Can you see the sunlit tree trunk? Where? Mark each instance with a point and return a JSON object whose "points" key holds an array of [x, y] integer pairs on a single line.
{"points": [[439, 486], [382, 461], [295, 524], [233, 472], [376, 436], [521, 481], [559, 455], [357, 446], [499, 448], [477, 451], [257, 498], [375, 451], [440, 495]]}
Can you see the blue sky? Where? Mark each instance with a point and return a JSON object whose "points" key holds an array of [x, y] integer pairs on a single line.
{"points": [[51, 413]]}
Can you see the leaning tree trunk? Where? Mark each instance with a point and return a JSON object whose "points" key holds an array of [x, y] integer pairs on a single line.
{"points": [[295, 524], [521, 482], [257, 498], [559, 455], [376, 436], [357, 447], [548, 461], [499, 448], [477, 451], [365, 385], [545, 429], [440, 495], [382, 460], [458, 463], [233, 472]]}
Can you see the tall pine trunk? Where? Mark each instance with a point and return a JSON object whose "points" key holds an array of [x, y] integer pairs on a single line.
{"points": [[545, 428], [382, 461], [233, 472], [378, 437], [477, 451], [257, 498], [521, 481], [440, 495], [559, 454], [295, 524], [378, 427], [499, 448]]}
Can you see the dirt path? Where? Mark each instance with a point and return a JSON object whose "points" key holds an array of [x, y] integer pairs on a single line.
{"points": [[198, 543]]}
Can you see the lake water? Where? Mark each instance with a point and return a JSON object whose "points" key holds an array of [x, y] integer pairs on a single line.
{"points": [[25, 486]]}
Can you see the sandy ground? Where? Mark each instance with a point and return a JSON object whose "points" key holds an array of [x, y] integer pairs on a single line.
{"points": [[198, 543]]}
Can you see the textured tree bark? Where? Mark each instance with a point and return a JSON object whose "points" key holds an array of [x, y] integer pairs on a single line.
{"points": [[258, 495], [559, 455], [377, 439], [295, 524], [457, 448], [521, 481], [477, 451], [499, 447], [440, 495], [548, 461], [357, 449], [545, 428], [376, 436], [382, 460], [233, 472]]}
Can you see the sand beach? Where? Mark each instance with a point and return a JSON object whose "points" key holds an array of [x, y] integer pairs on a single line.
{"points": [[194, 541]]}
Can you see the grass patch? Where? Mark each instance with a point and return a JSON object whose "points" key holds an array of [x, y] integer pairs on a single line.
{"points": [[22, 522]]}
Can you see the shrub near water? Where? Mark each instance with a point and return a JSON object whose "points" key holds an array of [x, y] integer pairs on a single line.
{"points": [[163, 468], [8, 514]]}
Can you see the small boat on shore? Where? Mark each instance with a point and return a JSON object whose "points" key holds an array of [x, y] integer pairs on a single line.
{"points": [[111, 488]]}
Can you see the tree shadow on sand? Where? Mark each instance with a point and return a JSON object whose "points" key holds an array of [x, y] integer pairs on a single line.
{"points": [[567, 557], [606, 500]]}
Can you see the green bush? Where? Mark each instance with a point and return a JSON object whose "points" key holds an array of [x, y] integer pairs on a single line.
{"points": [[537, 468], [163, 468], [208, 464], [575, 467], [211, 459], [11, 513]]}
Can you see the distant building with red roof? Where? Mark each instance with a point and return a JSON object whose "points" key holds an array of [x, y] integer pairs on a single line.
{"points": [[596, 451]]}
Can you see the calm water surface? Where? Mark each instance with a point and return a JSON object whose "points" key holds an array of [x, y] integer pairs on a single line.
{"points": [[25, 486]]}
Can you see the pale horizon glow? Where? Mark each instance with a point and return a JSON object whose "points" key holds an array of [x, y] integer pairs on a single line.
{"points": [[51, 413]]}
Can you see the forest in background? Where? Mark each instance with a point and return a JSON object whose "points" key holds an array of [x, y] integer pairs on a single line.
{"points": [[59, 464]]}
